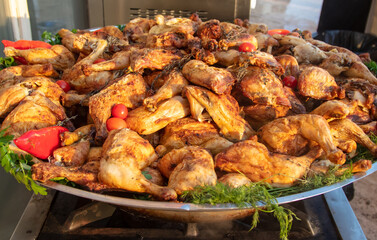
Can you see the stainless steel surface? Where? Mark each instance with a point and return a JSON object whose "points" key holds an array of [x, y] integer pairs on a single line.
{"points": [[188, 207], [345, 219], [122, 11], [37, 209]]}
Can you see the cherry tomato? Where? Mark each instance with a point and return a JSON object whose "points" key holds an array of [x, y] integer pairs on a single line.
{"points": [[119, 111], [115, 123], [64, 85], [290, 81], [247, 47], [278, 31], [99, 60]]}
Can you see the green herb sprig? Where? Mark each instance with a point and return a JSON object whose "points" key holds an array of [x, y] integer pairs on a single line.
{"points": [[6, 62], [121, 27], [18, 165], [372, 65], [50, 38]]}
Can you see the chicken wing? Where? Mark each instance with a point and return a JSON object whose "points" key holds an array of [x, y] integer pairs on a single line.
{"points": [[190, 167], [146, 122], [125, 154], [317, 83], [59, 56], [188, 132], [344, 131], [218, 80], [253, 159], [292, 135], [223, 109], [173, 86], [129, 90], [85, 84]]}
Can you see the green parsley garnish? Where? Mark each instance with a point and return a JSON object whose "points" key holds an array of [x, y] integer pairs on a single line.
{"points": [[121, 27], [50, 38], [18, 165], [6, 62], [372, 65]]}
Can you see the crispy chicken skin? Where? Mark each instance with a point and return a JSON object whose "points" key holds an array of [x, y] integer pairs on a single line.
{"points": [[34, 112], [263, 87], [11, 96], [85, 84], [345, 131], [12, 75], [209, 30], [292, 135], [125, 154], [323, 166], [119, 61], [187, 168], [256, 162], [173, 86], [59, 56], [223, 109], [152, 59], [290, 65], [218, 80], [317, 83], [74, 155], [129, 90], [188, 131], [234, 180], [332, 109], [146, 122], [137, 29]]}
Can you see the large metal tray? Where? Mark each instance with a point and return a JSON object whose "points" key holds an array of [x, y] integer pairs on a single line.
{"points": [[189, 207]]}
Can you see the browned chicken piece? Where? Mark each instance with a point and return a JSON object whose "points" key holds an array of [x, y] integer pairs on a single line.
{"points": [[234, 180], [111, 30], [259, 114], [95, 154], [124, 156], [190, 132], [256, 162], [218, 80], [152, 59], [34, 112], [190, 167], [262, 86], [297, 107], [292, 135], [227, 58], [253, 28], [317, 83], [85, 84], [290, 65], [323, 166], [223, 109], [59, 56], [332, 109], [85, 175], [173, 86], [77, 42], [137, 29], [68, 138], [210, 30], [234, 35], [336, 63], [129, 90], [359, 114], [74, 155], [154, 176], [72, 98], [262, 60], [167, 40], [175, 25], [10, 96], [146, 122], [120, 60], [345, 130], [370, 127], [359, 70], [265, 41], [12, 75]]}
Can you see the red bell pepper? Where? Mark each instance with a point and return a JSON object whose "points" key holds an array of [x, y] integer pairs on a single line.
{"points": [[42, 142], [26, 44]]}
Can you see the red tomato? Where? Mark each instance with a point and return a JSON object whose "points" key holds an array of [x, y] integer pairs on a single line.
{"points": [[99, 60], [64, 85], [290, 81], [278, 31], [119, 111], [247, 47], [115, 123]]}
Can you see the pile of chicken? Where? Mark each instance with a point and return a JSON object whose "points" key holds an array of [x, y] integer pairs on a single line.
{"points": [[200, 111]]}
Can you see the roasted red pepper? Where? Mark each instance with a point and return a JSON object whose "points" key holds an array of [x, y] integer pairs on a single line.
{"points": [[42, 142], [20, 60], [25, 44]]}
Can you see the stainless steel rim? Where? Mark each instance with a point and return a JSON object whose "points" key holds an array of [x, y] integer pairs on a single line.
{"points": [[185, 207]]}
